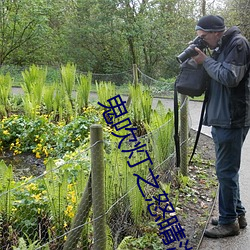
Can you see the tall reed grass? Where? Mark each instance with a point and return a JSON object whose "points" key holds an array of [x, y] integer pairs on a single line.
{"points": [[5, 91]]}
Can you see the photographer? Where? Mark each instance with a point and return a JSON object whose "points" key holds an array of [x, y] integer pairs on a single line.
{"points": [[228, 112]]}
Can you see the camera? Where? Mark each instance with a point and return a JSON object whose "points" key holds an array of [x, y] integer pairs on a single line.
{"points": [[190, 51]]}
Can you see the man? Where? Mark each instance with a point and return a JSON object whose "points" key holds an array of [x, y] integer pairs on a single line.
{"points": [[228, 112]]}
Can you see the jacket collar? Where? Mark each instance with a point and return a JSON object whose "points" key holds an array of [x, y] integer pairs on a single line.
{"points": [[231, 32]]}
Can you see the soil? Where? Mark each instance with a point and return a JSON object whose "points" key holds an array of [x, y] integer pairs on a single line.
{"points": [[25, 164], [196, 200]]}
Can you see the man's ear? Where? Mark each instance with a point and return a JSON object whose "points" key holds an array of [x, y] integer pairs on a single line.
{"points": [[219, 34]]}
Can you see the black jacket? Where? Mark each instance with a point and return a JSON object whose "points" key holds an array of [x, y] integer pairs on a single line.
{"points": [[229, 90]]}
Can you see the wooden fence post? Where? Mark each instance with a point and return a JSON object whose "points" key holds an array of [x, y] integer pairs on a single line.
{"points": [[135, 74], [98, 194], [135, 82]]}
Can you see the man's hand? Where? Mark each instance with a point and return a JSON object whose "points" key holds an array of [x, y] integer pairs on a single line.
{"points": [[200, 58]]}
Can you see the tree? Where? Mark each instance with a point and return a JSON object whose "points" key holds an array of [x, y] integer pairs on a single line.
{"points": [[102, 36], [21, 21], [94, 39], [108, 36], [237, 13]]}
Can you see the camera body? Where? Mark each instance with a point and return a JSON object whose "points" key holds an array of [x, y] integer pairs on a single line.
{"points": [[190, 51]]}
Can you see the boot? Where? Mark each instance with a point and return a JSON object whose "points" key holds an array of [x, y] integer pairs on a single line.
{"points": [[241, 219], [221, 230]]}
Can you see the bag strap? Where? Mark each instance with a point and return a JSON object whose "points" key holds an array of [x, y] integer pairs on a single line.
{"points": [[176, 126], [199, 127]]}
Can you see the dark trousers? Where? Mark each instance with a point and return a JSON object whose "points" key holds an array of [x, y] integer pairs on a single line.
{"points": [[228, 145]]}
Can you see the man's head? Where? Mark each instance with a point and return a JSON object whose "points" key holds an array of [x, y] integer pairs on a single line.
{"points": [[211, 29]]}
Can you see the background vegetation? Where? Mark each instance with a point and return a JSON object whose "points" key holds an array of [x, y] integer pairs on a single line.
{"points": [[104, 36], [98, 36]]}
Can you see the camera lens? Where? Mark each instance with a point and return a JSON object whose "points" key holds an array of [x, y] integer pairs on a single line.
{"points": [[190, 50], [187, 53]]}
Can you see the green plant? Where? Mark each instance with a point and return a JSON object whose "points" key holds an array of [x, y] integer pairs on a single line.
{"points": [[6, 196], [160, 131], [62, 104], [176, 198], [137, 202], [105, 91], [29, 245], [15, 71], [120, 181], [62, 184], [148, 241], [68, 74], [166, 187], [58, 102], [42, 136], [7, 232], [48, 98], [30, 208], [5, 90], [34, 81], [183, 180], [83, 91], [146, 101], [23, 134], [141, 103], [56, 187]]}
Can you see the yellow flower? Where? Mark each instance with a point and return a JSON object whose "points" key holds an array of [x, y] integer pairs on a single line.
{"points": [[73, 199], [38, 155], [69, 211], [31, 186], [6, 132], [45, 151], [16, 152], [37, 196], [14, 209]]}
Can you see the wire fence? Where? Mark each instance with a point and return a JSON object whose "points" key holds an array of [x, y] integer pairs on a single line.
{"points": [[161, 87], [55, 210]]}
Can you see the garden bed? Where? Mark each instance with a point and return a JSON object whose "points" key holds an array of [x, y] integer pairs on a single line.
{"points": [[25, 164], [193, 205], [53, 125]]}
